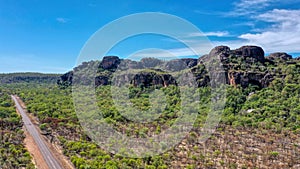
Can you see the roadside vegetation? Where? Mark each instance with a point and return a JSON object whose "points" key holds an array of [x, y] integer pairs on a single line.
{"points": [[12, 151]]}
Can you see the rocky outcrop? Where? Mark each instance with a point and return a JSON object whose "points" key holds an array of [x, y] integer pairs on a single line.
{"points": [[66, 79], [222, 52], [243, 66], [251, 52], [279, 56], [110, 62]]}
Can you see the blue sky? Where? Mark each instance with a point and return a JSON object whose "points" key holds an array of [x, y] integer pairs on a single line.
{"points": [[47, 36]]}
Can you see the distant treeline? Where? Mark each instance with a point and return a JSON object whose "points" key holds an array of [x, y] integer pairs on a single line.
{"points": [[7, 78]]}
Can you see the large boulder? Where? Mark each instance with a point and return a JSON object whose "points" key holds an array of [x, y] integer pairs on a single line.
{"points": [[252, 52], [110, 62]]}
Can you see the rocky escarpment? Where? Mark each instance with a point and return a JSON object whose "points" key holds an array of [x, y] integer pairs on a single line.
{"points": [[244, 66], [224, 53], [147, 72]]}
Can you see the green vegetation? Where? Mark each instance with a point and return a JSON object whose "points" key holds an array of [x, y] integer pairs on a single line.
{"points": [[260, 127], [275, 107], [54, 108], [12, 151]]}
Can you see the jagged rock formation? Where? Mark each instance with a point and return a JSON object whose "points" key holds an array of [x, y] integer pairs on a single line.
{"points": [[244, 66]]}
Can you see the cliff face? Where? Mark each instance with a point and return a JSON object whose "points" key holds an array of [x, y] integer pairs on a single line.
{"points": [[243, 66]]}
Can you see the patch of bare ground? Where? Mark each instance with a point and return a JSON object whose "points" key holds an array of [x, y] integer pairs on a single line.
{"points": [[238, 148]]}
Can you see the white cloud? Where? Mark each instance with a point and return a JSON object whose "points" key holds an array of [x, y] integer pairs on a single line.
{"points": [[62, 20], [251, 3], [218, 34], [250, 7], [282, 35]]}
